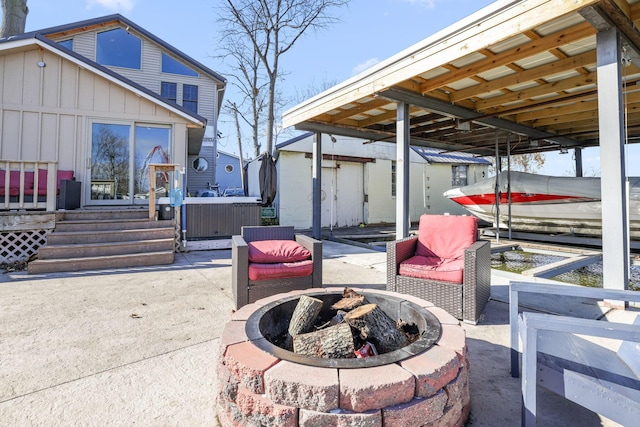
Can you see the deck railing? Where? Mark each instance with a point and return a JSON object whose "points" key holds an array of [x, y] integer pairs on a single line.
{"points": [[19, 185]]}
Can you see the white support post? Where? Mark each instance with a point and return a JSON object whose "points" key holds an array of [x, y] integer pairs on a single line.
{"points": [[615, 232], [402, 170], [316, 173]]}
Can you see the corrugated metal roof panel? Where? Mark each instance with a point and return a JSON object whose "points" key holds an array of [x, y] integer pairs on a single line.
{"points": [[433, 155]]}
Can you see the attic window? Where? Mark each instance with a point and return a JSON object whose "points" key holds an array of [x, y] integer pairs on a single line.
{"points": [[118, 48], [171, 66], [228, 168], [67, 43]]}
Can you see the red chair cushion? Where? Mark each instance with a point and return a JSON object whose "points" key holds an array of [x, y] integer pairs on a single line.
{"points": [[433, 268], [277, 251], [446, 236], [280, 270], [14, 183], [42, 179]]}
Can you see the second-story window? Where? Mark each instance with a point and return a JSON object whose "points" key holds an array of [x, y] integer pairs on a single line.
{"points": [[118, 48], [170, 65], [169, 90], [190, 98], [67, 43]]}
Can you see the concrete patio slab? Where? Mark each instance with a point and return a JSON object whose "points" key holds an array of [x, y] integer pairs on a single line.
{"points": [[138, 346]]}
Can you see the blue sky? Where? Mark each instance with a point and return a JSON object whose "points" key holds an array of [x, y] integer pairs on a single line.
{"points": [[369, 32]]}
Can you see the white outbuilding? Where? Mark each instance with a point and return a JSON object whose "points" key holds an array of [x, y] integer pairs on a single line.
{"points": [[358, 181]]}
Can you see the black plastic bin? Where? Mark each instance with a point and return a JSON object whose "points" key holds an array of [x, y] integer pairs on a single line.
{"points": [[165, 211]]}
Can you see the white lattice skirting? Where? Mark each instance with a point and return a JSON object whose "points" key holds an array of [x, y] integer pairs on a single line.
{"points": [[20, 245]]}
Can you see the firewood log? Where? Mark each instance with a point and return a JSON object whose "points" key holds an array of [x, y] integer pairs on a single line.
{"points": [[376, 326], [335, 342]]}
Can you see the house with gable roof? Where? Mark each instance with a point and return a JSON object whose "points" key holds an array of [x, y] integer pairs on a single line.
{"points": [[96, 102]]}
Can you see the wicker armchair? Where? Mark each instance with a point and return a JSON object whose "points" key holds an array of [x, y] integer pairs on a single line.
{"points": [[465, 300], [246, 291]]}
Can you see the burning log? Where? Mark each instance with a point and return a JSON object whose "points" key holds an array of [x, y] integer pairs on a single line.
{"points": [[376, 326], [332, 342], [303, 318]]}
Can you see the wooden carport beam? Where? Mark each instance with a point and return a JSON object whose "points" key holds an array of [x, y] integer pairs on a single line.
{"points": [[613, 13], [448, 109]]}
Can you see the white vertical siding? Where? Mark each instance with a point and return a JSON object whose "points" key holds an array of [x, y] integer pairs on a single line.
{"points": [[54, 123], [294, 190]]}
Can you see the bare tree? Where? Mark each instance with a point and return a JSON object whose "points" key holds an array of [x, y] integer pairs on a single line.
{"points": [[14, 17], [530, 162], [247, 78], [270, 28]]}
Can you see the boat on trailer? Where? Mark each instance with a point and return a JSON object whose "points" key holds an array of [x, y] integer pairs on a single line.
{"points": [[544, 204]]}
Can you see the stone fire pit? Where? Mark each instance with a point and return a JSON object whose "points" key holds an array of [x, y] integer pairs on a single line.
{"points": [[425, 383]]}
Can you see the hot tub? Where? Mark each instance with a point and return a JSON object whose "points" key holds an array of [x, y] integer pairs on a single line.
{"points": [[217, 217]]}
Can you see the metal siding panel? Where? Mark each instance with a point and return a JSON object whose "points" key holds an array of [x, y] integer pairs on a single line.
{"points": [[51, 80], [69, 85], [117, 99], [10, 132], [85, 90], [12, 87], [85, 44], [32, 79], [49, 136], [101, 95], [30, 135], [198, 180], [68, 145]]}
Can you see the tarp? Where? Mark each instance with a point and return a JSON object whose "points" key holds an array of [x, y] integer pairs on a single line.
{"points": [[268, 179]]}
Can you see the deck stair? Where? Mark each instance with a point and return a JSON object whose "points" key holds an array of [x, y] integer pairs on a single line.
{"points": [[94, 239]]}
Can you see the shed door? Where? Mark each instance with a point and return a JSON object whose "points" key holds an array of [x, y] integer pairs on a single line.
{"points": [[328, 196], [350, 194]]}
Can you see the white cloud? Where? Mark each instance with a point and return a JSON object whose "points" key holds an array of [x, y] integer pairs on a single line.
{"points": [[115, 5], [364, 65], [425, 3]]}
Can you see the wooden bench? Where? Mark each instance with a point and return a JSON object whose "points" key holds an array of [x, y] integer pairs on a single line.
{"points": [[565, 355], [28, 189]]}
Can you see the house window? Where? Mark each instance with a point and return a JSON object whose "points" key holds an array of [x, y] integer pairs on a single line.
{"points": [[169, 91], [200, 164], [228, 168], [67, 43], [393, 178], [119, 49], [171, 66], [190, 98], [459, 175]]}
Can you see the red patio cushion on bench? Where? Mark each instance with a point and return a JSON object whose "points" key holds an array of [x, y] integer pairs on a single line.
{"points": [[433, 268], [42, 179], [275, 251], [281, 270], [29, 181], [14, 183]]}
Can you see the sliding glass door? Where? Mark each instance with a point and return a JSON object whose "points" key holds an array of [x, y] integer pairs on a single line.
{"points": [[120, 158]]}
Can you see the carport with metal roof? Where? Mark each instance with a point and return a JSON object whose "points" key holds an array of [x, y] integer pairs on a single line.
{"points": [[516, 77]]}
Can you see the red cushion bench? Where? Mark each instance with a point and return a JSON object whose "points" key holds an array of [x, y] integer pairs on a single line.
{"points": [[29, 181]]}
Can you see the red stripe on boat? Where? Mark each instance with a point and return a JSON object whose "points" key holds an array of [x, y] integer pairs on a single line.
{"points": [[490, 199]]}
